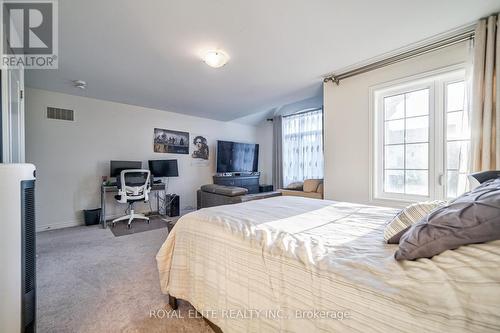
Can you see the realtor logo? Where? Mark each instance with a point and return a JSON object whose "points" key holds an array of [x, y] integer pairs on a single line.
{"points": [[29, 34]]}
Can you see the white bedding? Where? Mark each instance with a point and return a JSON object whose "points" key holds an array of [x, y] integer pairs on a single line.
{"points": [[264, 265]]}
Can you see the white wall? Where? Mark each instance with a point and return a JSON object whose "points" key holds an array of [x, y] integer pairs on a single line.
{"points": [[347, 127], [71, 157]]}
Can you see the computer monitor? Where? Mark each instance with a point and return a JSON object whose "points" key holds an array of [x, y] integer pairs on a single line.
{"points": [[163, 168], [116, 167]]}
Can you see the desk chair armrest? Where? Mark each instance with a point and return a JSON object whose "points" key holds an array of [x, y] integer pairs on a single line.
{"points": [[123, 196]]}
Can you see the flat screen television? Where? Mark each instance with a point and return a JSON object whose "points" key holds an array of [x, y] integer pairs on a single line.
{"points": [[237, 157], [116, 167], [163, 168]]}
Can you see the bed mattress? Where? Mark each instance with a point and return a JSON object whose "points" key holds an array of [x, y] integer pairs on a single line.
{"points": [[291, 264]]}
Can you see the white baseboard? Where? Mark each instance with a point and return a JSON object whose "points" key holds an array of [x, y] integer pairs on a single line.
{"points": [[72, 223], [59, 225]]}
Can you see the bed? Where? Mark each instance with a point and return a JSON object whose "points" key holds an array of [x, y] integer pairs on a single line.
{"points": [[294, 264]]}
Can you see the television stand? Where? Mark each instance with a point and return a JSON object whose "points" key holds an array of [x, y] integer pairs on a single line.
{"points": [[250, 182]]}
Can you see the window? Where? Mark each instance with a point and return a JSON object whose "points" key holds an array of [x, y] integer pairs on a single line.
{"points": [[302, 146], [422, 138], [406, 143]]}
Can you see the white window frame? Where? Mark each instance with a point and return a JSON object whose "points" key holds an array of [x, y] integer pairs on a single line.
{"points": [[436, 82]]}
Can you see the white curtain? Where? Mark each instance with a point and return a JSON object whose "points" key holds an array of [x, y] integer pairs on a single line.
{"points": [[485, 113], [302, 146]]}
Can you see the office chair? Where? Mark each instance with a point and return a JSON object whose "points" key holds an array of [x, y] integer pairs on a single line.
{"points": [[133, 186], [480, 177]]}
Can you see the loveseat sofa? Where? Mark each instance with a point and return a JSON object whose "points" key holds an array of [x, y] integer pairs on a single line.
{"points": [[309, 188]]}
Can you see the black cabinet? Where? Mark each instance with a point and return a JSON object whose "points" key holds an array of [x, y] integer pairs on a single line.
{"points": [[266, 188], [251, 183], [173, 205]]}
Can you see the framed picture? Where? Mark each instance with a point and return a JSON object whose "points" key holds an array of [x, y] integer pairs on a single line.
{"points": [[168, 141], [200, 147], [200, 150]]}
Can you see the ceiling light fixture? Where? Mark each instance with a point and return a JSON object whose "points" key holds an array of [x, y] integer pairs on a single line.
{"points": [[215, 58], [80, 84]]}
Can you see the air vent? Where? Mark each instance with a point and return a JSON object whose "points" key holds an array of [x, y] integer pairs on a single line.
{"points": [[60, 114], [28, 256]]}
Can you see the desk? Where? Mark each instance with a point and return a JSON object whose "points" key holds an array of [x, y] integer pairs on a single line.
{"points": [[114, 189]]}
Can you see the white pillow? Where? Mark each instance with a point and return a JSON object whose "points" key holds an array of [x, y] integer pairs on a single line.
{"points": [[407, 217]]}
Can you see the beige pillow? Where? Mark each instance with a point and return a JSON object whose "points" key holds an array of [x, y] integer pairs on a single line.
{"points": [[310, 185], [320, 188], [407, 217]]}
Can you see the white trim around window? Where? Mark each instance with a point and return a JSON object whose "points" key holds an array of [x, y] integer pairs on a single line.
{"points": [[433, 166]]}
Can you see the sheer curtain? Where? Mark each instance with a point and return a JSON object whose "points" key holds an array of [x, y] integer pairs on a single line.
{"points": [[302, 146]]}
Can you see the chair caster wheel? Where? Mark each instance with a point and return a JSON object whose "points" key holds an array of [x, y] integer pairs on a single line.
{"points": [[148, 221]]}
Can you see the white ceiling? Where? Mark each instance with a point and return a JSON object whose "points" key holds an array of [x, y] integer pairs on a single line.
{"points": [[147, 52]]}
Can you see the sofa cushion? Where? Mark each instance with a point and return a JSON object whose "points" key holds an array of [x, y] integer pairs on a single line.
{"points": [[230, 191], [320, 188], [311, 185], [209, 188], [313, 195], [474, 217]]}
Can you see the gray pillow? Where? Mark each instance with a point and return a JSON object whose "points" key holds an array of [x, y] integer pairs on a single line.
{"points": [[297, 186], [230, 191], [474, 217]]}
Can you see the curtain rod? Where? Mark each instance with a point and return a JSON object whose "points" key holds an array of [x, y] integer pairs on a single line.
{"points": [[462, 36], [302, 112], [299, 112]]}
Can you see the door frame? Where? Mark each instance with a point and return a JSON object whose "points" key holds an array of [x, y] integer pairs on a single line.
{"points": [[7, 132]]}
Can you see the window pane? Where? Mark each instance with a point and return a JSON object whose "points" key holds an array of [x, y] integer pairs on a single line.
{"points": [[452, 184], [394, 131], [456, 184], [394, 181], [417, 156], [417, 182], [394, 157], [394, 107], [417, 129], [457, 154], [417, 103], [455, 96], [457, 125]]}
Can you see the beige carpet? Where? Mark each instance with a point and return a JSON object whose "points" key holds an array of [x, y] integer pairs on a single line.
{"points": [[91, 281]]}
